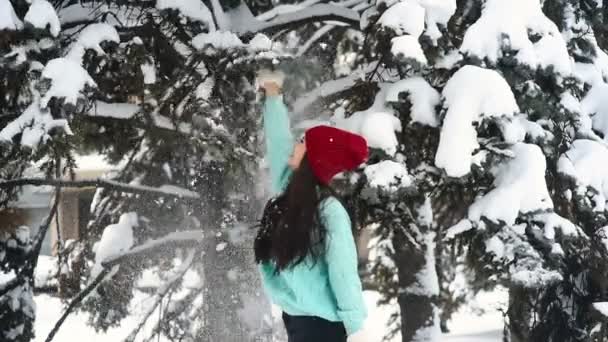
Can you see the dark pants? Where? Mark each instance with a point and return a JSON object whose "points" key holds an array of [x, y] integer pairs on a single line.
{"points": [[313, 329]]}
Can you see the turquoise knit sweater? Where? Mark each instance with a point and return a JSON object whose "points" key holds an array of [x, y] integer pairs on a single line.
{"points": [[329, 288]]}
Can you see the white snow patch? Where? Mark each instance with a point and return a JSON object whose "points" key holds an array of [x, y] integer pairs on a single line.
{"points": [[519, 182], [68, 79], [116, 239], [406, 17], [597, 70], [41, 15], [377, 124], [595, 104], [427, 283], [587, 162], [114, 110], [410, 16], [471, 95], [260, 42], [407, 46], [515, 129], [601, 307], [217, 39], [552, 221], [449, 61], [424, 99], [459, 228], [425, 213], [535, 278], [438, 12], [204, 90], [220, 246], [34, 124], [495, 246], [149, 72], [507, 25], [8, 17], [388, 175], [46, 271], [90, 38]]}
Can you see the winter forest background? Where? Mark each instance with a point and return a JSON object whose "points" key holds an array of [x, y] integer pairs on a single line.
{"points": [[488, 122]]}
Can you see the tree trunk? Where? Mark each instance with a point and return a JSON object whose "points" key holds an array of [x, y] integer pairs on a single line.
{"points": [[519, 314], [419, 318], [235, 306]]}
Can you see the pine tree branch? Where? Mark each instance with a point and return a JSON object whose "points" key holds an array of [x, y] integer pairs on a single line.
{"points": [[161, 292], [32, 262], [315, 13], [166, 190], [76, 301], [10, 285], [329, 88], [176, 239]]}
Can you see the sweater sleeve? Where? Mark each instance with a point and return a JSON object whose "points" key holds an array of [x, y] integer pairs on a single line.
{"points": [[279, 141], [341, 258]]}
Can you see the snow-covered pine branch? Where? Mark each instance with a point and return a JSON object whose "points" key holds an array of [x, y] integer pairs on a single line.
{"points": [[175, 239], [162, 290], [328, 88], [314, 13], [164, 190]]}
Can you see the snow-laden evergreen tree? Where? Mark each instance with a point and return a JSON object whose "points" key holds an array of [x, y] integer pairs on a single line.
{"points": [[494, 106], [40, 89], [165, 90]]}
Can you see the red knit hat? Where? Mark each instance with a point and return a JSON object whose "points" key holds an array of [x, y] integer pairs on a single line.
{"points": [[331, 151]]}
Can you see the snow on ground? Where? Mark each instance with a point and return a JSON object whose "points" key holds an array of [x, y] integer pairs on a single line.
{"points": [[75, 328], [480, 321], [467, 325]]}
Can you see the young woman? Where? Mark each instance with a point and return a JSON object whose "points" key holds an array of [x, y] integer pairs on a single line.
{"points": [[305, 247]]}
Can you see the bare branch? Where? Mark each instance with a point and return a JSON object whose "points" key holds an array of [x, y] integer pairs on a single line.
{"points": [[165, 190], [176, 239], [11, 284], [75, 302], [315, 13], [161, 292], [316, 36], [329, 88]]}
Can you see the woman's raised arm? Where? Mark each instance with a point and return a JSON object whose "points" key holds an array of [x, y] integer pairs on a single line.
{"points": [[279, 141]]}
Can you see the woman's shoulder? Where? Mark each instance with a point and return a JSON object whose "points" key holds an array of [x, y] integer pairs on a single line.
{"points": [[332, 209]]}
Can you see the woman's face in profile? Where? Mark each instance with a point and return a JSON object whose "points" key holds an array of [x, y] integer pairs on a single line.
{"points": [[296, 156]]}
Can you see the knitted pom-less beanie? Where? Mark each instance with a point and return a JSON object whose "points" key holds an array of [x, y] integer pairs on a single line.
{"points": [[331, 150]]}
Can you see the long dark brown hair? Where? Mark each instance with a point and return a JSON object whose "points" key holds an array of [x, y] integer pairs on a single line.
{"points": [[291, 229]]}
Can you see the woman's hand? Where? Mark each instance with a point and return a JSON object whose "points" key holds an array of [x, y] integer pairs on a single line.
{"points": [[271, 88]]}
